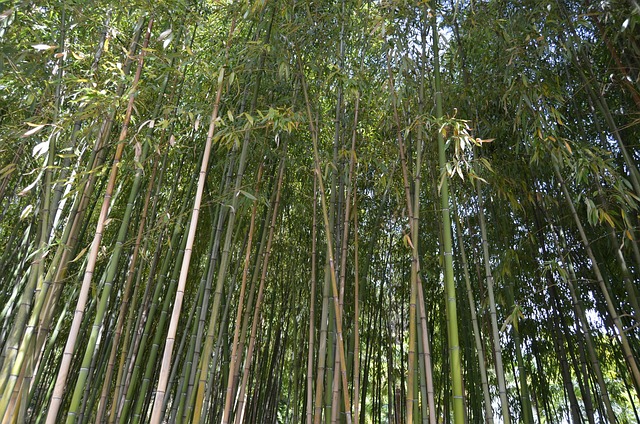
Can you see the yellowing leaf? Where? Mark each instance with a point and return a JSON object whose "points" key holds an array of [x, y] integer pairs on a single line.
{"points": [[606, 217], [407, 240], [77, 56], [81, 254], [568, 147]]}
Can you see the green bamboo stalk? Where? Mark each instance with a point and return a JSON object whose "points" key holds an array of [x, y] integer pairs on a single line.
{"points": [[259, 299], [112, 267], [56, 398], [334, 286], [121, 412], [236, 333], [488, 412], [450, 289], [312, 303], [159, 333], [626, 348]]}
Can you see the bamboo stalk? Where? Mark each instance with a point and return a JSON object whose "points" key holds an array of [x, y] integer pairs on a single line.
{"points": [[56, 398]]}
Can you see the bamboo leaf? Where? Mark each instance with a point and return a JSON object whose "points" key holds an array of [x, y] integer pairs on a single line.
{"points": [[36, 129], [164, 34], [247, 195], [81, 254], [28, 188], [26, 212], [8, 170], [40, 148], [43, 47]]}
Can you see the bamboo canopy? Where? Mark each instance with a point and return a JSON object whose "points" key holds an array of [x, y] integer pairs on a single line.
{"points": [[316, 212]]}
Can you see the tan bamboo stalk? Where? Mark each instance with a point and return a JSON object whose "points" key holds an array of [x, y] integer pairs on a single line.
{"points": [[56, 398], [256, 315], [125, 302], [236, 332], [205, 358], [208, 282], [343, 256], [177, 306], [325, 215], [312, 307], [411, 400]]}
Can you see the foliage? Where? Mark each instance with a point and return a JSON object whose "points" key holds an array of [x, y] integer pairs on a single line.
{"points": [[102, 133]]}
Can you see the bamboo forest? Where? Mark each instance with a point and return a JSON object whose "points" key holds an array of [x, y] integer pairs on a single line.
{"points": [[320, 211]]}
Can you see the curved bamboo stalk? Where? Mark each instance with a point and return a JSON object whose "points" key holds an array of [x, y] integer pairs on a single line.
{"points": [[312, 307], [334, 286]]}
